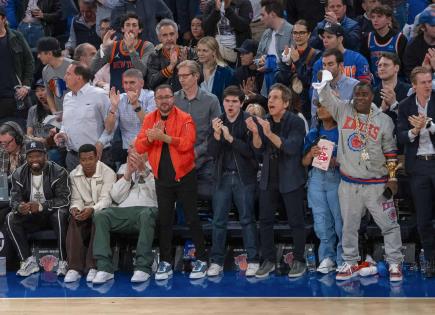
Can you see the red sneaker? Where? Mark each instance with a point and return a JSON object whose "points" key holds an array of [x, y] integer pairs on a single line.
{"points": [[347, 271]]}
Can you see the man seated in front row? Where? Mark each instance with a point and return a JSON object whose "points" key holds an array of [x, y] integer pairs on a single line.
{"points": [[91, 182], [135, 195], [39, 199]]}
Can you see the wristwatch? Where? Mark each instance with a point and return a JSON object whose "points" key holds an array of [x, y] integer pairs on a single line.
{"points": [[137, 109], [429, 124]]}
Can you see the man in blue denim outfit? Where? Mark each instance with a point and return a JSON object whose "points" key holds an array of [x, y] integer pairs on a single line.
{"points": [[323, 192], [236, 174]]}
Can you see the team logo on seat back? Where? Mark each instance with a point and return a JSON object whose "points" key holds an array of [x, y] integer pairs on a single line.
{"points": [[48, 262], [241, 261]]}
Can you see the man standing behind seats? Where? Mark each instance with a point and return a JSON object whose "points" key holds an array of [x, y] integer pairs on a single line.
{"points": [[168, 135], [39, 199], [130, 52], [236, 174], [85, 110], [135, 195], [91, 182], [366, 143], [128, 109], [417, 132], [203, 107]]}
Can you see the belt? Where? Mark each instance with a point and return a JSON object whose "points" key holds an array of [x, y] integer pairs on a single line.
{"points": [[426, 157], [230, 173]]}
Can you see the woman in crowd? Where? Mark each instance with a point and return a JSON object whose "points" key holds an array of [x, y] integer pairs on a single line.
{"points": [[217, 74], [323, 192], [196, 30], [297, 65], [36, 129]]}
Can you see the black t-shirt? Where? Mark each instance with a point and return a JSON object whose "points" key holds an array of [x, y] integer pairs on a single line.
{"points": [[166, 168], [275, 127], [7, 78], [229, 162]]}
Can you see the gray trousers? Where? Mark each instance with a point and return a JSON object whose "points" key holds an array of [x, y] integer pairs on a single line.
{"points": [[354, 199]]}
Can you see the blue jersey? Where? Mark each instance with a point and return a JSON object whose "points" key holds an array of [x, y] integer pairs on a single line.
{"points": [[355, 66], [377, 49], [120, 61], [314, 133]]}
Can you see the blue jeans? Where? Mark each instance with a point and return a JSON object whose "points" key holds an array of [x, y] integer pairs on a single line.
{"points": [[32, 32], [324, 202], [230, 188]]}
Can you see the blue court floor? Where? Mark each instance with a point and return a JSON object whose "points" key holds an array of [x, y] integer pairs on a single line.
{"points": [[231, 284]]}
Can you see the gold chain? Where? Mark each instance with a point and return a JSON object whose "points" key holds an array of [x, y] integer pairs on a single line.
{"points": [[363, 143]]}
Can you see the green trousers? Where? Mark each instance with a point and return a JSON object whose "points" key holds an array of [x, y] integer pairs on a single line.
{"points": [[127, 220]]}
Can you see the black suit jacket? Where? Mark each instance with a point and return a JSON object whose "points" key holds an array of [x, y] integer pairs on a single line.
{"points": [[291, 171], [408, 107]]}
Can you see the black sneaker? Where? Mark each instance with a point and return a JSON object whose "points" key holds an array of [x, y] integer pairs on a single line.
{"points": [[265, 268], [297, 269]]}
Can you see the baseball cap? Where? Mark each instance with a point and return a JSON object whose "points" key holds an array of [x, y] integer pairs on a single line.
{"points": [[427, 17], [48, 44], [332, 28], [35, 146], [248, 46], [39, 82]]}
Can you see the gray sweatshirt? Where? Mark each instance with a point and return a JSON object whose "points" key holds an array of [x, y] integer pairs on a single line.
{"points": [[381, 142]]}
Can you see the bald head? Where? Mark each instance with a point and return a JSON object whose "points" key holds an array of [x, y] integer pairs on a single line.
{"points": [[84, 53]]}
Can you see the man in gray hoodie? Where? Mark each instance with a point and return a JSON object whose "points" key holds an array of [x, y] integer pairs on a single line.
{"points": [[366, 141]]}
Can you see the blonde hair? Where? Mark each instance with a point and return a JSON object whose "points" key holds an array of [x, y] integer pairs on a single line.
{"points": [[212, 44], [255, 110]]}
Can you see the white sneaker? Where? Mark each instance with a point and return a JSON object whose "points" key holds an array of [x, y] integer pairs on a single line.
{"points": [[62, 269], [140, 276], [101, 277], [91, 274], [199, 270], [214, 270], [326, 266], [252, 269], [164, 271], [72, 276], [28, 267]]}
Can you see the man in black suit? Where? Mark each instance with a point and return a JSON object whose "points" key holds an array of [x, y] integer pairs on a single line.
{"points": [[279, 139], [417, 132]]}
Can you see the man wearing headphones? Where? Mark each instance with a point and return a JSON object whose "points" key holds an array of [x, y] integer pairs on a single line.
{"points": [[11, 157]]}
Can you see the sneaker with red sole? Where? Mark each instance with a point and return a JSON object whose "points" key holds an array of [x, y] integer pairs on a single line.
{"points": [[395, 272], [347, 271]]}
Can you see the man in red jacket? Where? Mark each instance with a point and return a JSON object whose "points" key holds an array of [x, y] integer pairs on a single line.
{"points": [[168, 135]]}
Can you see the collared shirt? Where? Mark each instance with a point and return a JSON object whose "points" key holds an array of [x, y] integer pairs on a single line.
{"points": [[9, 163], [92, 191], [84, 114], [208, 85], [343, 87], [425, 145], [127, 119], [203, 108]]}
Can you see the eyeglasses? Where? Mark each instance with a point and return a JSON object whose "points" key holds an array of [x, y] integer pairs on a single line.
{"points": [[301, 33], [6, 143], [164, 98], [184, 76]]}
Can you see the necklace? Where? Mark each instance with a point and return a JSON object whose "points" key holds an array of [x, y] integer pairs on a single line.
{"points": [[37, 186], [363, 140]]}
